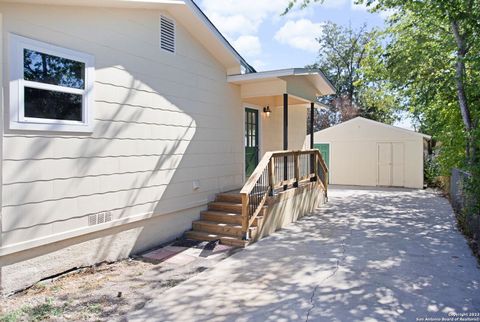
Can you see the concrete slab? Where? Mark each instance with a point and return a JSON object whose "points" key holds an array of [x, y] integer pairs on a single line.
{"points": [[369, 255]]}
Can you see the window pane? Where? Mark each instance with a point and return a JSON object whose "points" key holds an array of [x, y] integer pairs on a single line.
{"points": [[44, 104], [44, 68]]}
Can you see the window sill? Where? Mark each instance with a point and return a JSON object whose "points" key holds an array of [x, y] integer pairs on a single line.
{"points": [[52, 127]]}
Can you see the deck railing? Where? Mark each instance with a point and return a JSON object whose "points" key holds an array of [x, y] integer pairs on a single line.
{"points": [[279, 171]]}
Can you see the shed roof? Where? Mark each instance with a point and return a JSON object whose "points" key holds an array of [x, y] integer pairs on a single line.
{"points": [[362, 119]]}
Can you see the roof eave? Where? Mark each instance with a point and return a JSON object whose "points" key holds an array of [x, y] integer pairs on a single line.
{"points": [[207, 21], [322, 81], [168, 5]]}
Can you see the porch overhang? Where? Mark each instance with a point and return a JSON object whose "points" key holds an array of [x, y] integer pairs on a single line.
{"points": [[302, 85]]}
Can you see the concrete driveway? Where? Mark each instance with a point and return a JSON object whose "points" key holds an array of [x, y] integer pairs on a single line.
{"points": [[370, 255]]}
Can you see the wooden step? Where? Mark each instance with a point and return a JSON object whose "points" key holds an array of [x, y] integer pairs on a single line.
{"points": [[229, 197], [221, 216], [233, 230], [226, 207], [223, 221], [226, 240], [226, 217]]}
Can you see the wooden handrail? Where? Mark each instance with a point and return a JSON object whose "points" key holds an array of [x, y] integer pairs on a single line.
{"points": [[322, 163], [247, 188], [262, 182]]}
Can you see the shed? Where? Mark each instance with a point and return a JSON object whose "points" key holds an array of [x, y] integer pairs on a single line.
{"points": [[368, 153]]}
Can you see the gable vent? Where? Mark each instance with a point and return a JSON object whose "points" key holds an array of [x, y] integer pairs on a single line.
{"points": [[167, 34]]}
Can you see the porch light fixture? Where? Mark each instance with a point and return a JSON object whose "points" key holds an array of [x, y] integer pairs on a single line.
{"points": [[267, 110]]}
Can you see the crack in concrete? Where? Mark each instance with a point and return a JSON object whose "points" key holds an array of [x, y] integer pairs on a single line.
{"points": [[337, 266]]}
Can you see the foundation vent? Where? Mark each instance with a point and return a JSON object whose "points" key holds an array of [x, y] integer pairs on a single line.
{"points": [[92, 220], [100, 218]]}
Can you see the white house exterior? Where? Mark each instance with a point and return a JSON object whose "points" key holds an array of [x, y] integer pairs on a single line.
{"points": [[368, 153], [123, 150]]}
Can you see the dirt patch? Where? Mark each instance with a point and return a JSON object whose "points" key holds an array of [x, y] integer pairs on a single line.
{"points": [[108, 291]]}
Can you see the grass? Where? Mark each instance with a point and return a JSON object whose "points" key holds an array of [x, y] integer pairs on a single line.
{"points": [[95, 308], [56, 288], [36, 313], [12, 316]]}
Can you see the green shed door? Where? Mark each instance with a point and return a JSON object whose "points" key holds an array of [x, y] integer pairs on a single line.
{"points": [[324, 149]]}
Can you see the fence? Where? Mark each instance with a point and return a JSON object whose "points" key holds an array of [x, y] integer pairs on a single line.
{"points": [[463, 204], [458, 183]]}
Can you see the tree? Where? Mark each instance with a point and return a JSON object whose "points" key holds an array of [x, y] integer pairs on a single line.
{"points": [[458, 23], [342, 52], [449, 28], [342, 58], [430, 57]]}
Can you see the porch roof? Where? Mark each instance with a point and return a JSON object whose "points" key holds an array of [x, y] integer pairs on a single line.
{"points": [[304, 85]]}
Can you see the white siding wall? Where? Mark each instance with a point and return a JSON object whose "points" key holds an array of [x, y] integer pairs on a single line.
{"points": [[272, 134], [161, 121], [3, 67]]}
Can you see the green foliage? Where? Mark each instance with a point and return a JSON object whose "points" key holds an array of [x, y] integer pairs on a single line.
{"points": [[39, 312], [12, 316], [344, 59], [45, 311], [429, 58], [412, 66], [429, 42], [431, 170], [95, 308], [303, 4], [343, 51]]}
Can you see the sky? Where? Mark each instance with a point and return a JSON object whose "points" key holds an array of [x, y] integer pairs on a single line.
{"points": [[268, 40]]}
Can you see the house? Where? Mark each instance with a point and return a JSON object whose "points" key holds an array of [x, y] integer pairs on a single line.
{"points": [[123, 120], [364, 152]]}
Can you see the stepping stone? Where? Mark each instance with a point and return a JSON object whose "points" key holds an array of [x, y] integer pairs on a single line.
{"points": [[180, 259], [159, 254], [175, 249]]}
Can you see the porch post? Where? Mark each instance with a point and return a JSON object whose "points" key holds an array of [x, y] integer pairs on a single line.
{"points": [[285, 121], [312, 115], [312, 145], [285, 138]]}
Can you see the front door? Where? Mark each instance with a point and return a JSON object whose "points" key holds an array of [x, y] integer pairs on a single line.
{"points": [[251, 141]]}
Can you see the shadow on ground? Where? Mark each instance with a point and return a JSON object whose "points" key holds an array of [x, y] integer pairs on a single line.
{"points": [[371, 254]]}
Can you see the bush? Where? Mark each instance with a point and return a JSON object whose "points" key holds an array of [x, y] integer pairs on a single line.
{"points": [[432, 171]]}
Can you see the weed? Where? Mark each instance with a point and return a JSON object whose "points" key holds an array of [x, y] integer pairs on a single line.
{"points": [[45, 311], [94, 308], [13, 316], [56, 288], [36, 313]]}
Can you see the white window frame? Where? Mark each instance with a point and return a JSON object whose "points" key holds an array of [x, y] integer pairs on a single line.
{"points": [[18, 120]]}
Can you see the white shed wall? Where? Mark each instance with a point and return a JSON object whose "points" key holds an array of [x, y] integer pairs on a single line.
{"points": [[354, 156]]}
